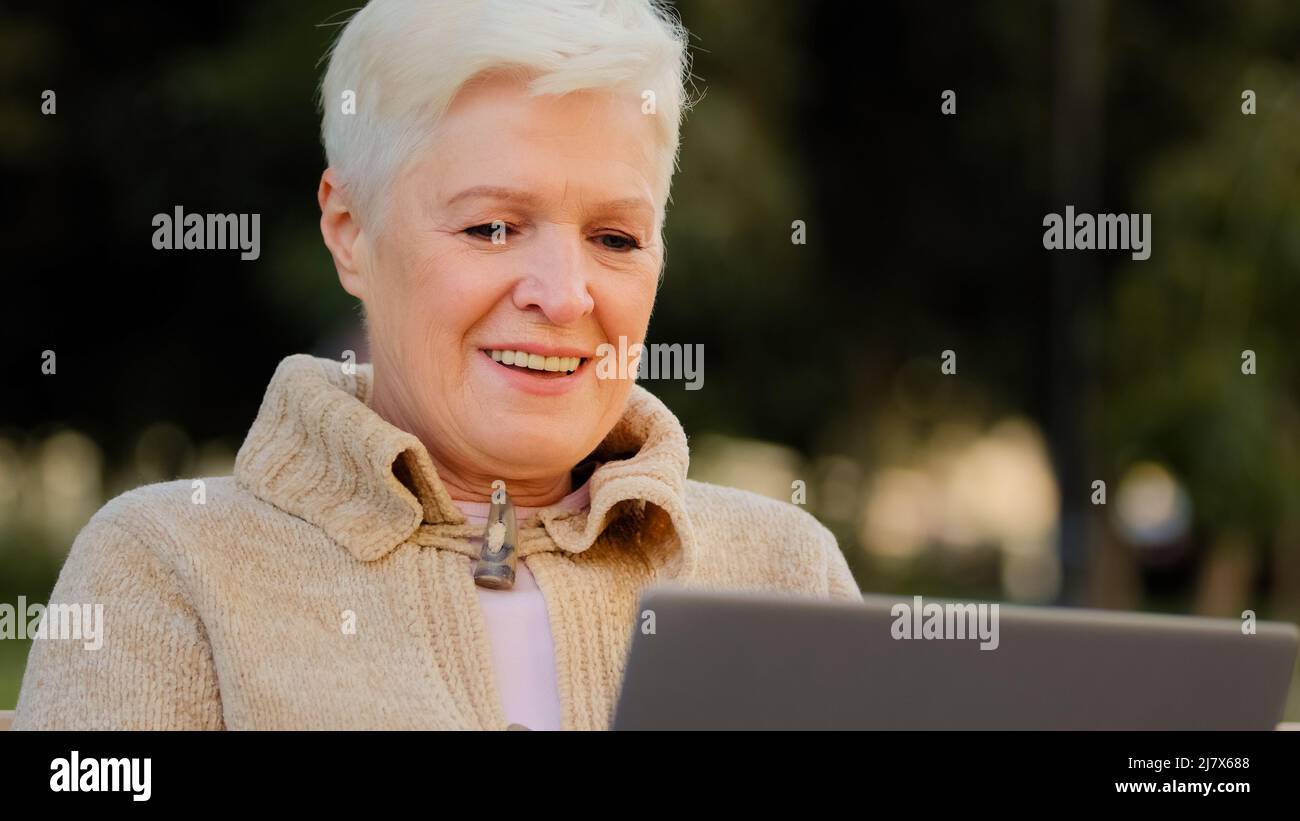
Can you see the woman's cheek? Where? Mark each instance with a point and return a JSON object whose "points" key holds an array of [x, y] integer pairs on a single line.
{"points": [[626, 307]]}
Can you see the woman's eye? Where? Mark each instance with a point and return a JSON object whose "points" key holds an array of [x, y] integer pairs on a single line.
{"points": [[618, 242], [495, 231]]}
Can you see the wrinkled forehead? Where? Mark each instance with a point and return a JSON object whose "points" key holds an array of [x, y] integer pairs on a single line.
{"points": [[499, 141]]}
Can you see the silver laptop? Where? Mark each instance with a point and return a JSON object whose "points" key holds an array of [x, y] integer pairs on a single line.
{"points": [[740, 661]]}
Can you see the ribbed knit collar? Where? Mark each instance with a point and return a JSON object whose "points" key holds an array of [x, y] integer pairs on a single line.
{"points": [[316, 450]]}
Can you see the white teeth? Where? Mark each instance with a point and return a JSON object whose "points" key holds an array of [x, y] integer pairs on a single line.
{"points": [[536, 362]]}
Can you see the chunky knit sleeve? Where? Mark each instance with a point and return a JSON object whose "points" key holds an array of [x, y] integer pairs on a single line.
{"points": [[153, 667]]}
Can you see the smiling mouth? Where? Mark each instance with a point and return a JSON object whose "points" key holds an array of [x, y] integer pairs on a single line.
{"points": [[535, 364]]}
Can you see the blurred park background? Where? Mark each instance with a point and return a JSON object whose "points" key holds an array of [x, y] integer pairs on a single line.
{"points": [[924, 234]]}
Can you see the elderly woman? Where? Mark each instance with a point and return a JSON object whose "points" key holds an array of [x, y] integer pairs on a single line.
{"points": [[495, 196]]}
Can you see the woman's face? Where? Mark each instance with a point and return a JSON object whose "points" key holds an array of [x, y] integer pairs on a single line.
{"points": [[530, 226]]}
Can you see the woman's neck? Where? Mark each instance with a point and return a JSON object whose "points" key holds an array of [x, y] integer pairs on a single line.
{"points": [[537, 493], [463, 482]]}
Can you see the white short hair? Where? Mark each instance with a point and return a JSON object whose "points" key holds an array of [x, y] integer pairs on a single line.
{"points": [[405, 60]]}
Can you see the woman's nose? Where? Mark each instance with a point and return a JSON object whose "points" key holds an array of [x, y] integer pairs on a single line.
{"points": [[556, 281]]}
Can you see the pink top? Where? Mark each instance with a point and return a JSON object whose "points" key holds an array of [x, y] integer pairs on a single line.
{"points": [[519, 631]]}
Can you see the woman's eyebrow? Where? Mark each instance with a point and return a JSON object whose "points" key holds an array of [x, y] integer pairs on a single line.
{"points": [[634, 206], [495, 192]]}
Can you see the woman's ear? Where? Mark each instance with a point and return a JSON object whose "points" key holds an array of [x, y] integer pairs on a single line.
{"points": [[341, 229]]}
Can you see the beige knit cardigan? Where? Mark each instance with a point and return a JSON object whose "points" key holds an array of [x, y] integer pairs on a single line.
{"points": [[327, 583]]}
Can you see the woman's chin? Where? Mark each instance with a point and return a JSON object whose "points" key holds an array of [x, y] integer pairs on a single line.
{"points": [[532, 447]]}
